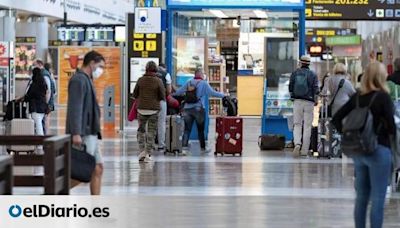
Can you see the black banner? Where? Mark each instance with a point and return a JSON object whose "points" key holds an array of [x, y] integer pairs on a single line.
{"points": [[352, 9]]}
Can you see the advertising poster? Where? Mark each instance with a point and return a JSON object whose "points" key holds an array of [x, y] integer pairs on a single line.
{"points": [[25, 54], [190, 55], [71, 58], [138, 67]]}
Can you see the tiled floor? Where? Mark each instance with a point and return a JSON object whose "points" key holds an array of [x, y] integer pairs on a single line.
{"points": [[260, 189]]}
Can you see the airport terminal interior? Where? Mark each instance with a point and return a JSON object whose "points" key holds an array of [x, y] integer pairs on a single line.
{"points": [[249, 174]]}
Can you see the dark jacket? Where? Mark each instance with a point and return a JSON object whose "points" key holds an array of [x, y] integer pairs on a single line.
{"points": [[150, 91], [52, 88], [395, 77], [312, 84], [36, 96], [83, 111], [382, 111]]}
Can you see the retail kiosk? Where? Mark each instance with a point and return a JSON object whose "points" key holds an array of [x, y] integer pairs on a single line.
{"points": [[242, 45]]}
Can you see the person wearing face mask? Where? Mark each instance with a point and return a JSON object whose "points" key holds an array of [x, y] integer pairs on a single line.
{"points": [[83, 112]]}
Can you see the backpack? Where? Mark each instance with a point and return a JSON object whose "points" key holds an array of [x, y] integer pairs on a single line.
{"points": [[231, 105], [191, 93], [301, 87], [359, 136], [52, 89], [163, 76]]}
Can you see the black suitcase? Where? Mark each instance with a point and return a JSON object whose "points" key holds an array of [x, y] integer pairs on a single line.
{"points": [[314, 139], [271, 142]]}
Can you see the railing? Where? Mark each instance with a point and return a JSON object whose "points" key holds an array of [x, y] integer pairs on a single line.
{"points": [[55, 160], [6, 178]]}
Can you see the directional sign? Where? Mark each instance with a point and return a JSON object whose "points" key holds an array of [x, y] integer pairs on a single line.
{"points": [[352, 9]]}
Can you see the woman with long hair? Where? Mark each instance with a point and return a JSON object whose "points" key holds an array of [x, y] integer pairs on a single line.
{"points": [[372, 172], [36, 96]]}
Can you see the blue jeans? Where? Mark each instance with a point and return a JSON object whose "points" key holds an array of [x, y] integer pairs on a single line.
{"points": [[371, 180], [190, 116]]}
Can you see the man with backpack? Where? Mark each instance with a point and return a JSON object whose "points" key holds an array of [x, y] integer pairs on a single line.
{"points": [[303, 88], [162, 115], [196, 93], [52, 87]]}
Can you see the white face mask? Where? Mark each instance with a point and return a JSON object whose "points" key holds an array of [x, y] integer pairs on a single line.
{"points": [[97, 72]]}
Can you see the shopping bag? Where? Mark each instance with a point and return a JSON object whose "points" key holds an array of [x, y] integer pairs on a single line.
{"points": [[133, 112]]}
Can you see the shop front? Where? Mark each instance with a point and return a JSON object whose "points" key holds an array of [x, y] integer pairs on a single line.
{"points": [[242, 45]]}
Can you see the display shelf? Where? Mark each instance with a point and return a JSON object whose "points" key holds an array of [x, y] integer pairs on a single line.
{"points": [[217, 78]]}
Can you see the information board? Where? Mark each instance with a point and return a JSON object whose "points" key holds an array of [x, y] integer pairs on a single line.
{"points": [[352, 9], [233, 3]]}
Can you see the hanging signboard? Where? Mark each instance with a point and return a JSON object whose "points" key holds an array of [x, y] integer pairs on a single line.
{"points": [[318, 35], [352, 9], [343, 40], [232, 3]]}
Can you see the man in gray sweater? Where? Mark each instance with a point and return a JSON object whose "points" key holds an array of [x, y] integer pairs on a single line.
{"points": [[83, 112]]}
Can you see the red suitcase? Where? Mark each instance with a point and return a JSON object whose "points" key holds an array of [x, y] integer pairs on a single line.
{"points": [[229, 135]]}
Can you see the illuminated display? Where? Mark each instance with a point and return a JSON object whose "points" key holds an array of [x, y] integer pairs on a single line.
{"points": [[100, 33]]}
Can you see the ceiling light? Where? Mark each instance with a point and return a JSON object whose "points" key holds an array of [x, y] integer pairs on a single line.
{"points": [[260, 13], [218, 13]]}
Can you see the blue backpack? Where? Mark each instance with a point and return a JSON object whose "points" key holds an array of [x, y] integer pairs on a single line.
{"points": [[301, 86]]}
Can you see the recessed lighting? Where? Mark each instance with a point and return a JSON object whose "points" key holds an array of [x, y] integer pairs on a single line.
{"points": [[260, 13], [218, 13]]}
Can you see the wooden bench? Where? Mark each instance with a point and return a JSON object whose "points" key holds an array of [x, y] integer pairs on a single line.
{"points": [[55, 160], [6, 178]]}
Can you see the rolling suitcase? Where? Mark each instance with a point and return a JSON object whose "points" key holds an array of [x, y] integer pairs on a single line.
{"points": [[19, 124], [175, 128], [229, 135], [314, 140], [271, 142]]}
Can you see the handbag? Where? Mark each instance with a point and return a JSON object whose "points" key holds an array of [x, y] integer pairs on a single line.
{"points": [[133, 112], [82, 164], [341, 83]]}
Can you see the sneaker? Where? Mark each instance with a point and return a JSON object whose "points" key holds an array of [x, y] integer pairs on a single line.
{"points": [[161, 149], [147, 159], [142, 156], [206, 150], [296, 150], [184, 152]]}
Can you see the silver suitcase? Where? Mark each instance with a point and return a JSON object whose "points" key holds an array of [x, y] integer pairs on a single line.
{"points": [[20, 127], [175, 128]]}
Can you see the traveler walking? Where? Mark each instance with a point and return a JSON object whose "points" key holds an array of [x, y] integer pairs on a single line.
{"points": [[52, 90], [303, 88], [36, 97], [339, 88], [149, 91], [196, 91], [83, 113], [53, 94], [162, 115], [373, 169]]}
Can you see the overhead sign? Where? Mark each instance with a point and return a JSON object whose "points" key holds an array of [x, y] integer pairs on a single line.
{"points": [[352, 9], [234, 3], [148, 20], [343, 40], [318, 35]]}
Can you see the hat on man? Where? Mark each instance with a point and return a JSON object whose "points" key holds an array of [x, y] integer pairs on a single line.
{"points": [[305, 60]]}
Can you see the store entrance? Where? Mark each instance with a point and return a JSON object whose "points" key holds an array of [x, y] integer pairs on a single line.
{"points": [[229, 45]]}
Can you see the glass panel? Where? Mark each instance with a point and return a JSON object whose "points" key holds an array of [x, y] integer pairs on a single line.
{"points": [[281, 60]]}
